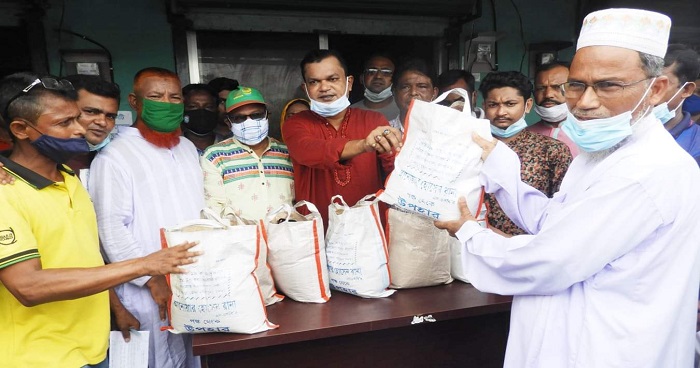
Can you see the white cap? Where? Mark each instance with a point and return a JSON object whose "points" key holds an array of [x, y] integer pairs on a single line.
{"points": [[640, 30]]}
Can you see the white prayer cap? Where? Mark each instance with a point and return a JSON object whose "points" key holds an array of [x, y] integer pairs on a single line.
{"points": [[640, 30]]}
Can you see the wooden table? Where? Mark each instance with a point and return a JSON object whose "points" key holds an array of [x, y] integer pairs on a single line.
{"points": [[470, 330]]}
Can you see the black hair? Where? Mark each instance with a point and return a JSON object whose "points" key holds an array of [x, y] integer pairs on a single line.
{"points": [[382, 55], [511, 79], [95, 85], [552, 65], [686, 60], [157, 71], [27, 105], [199, 88], [316, 56], [222, 84], [414, 65], [451, 77]]}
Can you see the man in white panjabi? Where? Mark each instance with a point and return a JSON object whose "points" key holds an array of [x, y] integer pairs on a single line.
{"points": [[148, 178], [610, 276]]}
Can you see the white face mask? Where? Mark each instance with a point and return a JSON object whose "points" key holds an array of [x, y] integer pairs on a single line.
{"points": [[661, 111], [327, 109], [552, 114], [251, 131], [378, 97]]}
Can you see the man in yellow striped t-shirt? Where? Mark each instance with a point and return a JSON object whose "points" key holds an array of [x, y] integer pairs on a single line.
{"points": [[250, 172]]}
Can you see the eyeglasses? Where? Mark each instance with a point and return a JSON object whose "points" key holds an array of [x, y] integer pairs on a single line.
{"points": [[47, 83], [604, 89], [556, 87], [237, 119], [383, 72]]}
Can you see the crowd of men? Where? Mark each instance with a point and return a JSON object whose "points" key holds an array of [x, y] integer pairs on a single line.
{"points": [[592, 210]]}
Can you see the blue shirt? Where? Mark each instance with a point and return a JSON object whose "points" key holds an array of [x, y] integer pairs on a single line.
{"points": [[687, 134]]}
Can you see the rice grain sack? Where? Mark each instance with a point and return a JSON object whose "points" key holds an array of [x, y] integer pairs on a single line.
{"points": [[438, 162], [219, 292], [297, 253], [356, 248], [263, 273], [419, 253]]}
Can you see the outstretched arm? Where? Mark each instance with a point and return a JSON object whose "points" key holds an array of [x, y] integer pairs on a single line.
{"points": [[33, 285]]}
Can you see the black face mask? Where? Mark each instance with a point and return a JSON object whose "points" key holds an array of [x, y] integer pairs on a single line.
{"points": [[200, 121]]}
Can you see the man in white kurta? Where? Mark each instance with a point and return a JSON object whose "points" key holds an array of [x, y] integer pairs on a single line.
{"points": [[610, 276], [139, 187]]}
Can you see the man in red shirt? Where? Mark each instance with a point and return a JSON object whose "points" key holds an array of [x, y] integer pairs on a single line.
{"points": [[336, 149]]}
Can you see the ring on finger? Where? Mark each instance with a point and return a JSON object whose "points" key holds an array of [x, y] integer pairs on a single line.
{"points": [[386, 132]]}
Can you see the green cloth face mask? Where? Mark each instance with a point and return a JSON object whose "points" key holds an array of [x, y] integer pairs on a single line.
{"points": [[162, 117]]}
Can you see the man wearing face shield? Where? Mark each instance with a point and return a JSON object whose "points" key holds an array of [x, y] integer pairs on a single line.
{"points": [[550, 103], [376, 78], [201, 115], [681, 66], [266, 179], [609, 275]]}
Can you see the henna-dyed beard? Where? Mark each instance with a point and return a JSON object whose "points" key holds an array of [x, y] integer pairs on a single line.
{"points": [[160, 139]]}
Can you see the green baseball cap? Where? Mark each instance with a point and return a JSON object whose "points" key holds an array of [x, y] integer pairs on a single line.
{"points": [[243, 96]]}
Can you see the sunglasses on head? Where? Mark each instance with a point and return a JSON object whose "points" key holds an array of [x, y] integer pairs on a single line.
{"points": [[47, 83]]}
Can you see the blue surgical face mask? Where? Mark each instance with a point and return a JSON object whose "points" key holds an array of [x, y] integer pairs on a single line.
{"points": [[600, 134], [327, 109], [662, 112], [101, 145], [512, 130]]}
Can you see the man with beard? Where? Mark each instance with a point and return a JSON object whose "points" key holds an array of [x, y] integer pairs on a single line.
{"points": [[550, 103], [376, 78], [146, 179], [201, 115], [609, 276]]}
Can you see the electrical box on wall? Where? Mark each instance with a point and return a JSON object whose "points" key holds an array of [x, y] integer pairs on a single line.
{"points": [[481, 52], [88, 62], [544, 53]]}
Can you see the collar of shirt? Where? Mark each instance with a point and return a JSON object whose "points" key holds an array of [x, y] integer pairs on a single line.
{"points": [[28, 176]]}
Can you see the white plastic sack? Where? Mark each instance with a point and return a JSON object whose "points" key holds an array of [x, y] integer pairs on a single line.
{"points": [[263, 273], [419, 253], [219, 292], [457, 270], [439, 161], [297, 253], [356, 248]]}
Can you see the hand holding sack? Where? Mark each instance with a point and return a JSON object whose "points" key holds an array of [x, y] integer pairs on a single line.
{"points": [[219, 292], [356, 249], [439, 161], [297, 253]]}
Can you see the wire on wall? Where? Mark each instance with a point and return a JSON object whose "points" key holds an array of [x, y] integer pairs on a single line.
{"points": [[522, 34]]}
